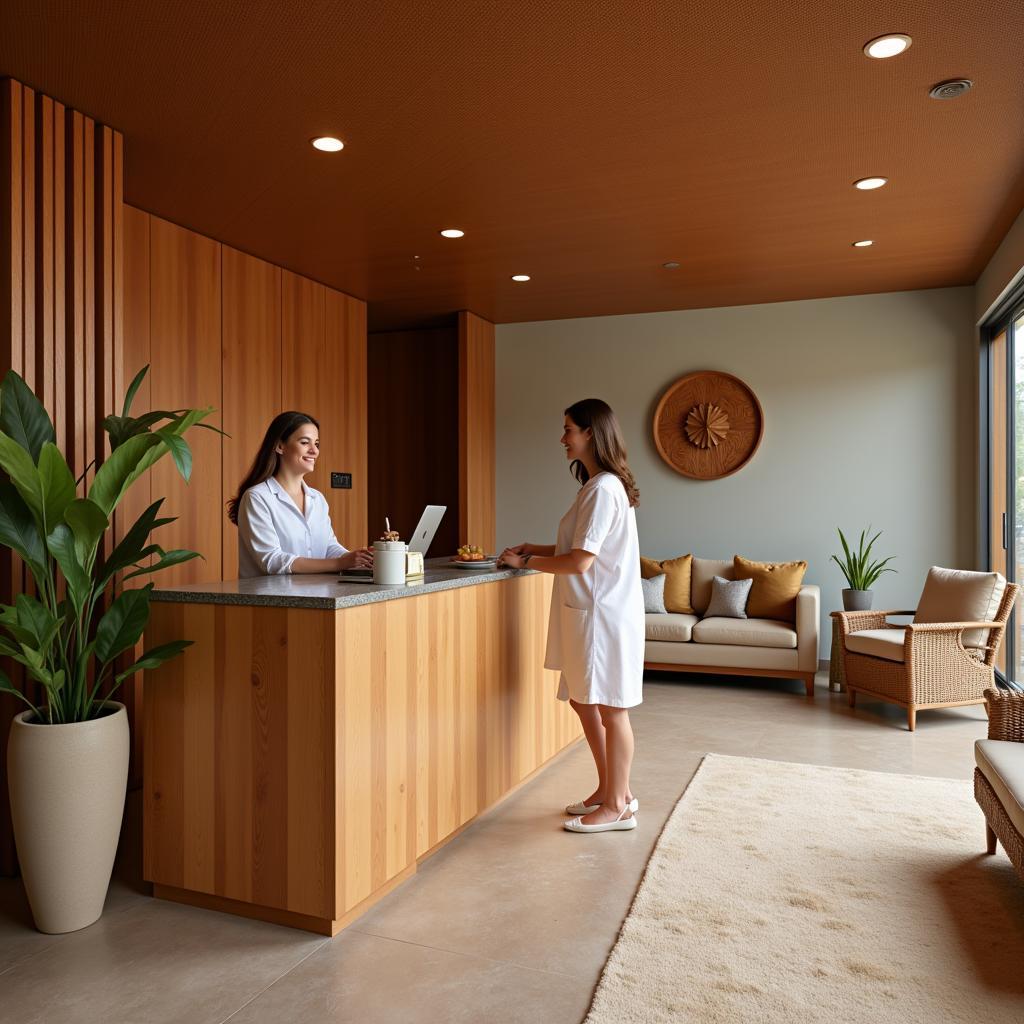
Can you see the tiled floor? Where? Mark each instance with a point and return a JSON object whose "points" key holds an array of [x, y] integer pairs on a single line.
{"points": [[511, 922]]}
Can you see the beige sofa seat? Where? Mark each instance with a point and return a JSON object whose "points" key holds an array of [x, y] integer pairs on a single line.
{"points": [[670, 626], [879, 643], [745, 632], [1002, 764], [733, 656]]}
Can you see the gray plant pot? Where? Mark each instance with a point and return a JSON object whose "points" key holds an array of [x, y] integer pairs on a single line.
{"points": [[857, 600]]}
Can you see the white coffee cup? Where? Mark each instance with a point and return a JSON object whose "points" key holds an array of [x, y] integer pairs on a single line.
{"points": [[389, 562]]}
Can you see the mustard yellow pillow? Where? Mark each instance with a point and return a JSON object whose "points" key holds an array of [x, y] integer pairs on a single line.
{"points": [[774, 587], [677, 580]]}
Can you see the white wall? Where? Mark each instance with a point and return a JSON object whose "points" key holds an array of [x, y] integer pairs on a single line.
{"points": [[869, 411], [1002, 272]]}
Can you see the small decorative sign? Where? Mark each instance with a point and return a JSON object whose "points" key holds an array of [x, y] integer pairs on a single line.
{"points": [[708, 425]]}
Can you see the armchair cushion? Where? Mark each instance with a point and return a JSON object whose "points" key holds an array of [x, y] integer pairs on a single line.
{"points": [[1002, 763], [957, 595], [879, 643]]}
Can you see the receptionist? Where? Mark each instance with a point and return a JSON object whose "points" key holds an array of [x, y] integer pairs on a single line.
{"points": [[284, 526]]}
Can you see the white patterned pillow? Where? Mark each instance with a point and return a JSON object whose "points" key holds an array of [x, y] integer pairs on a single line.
{"points": [[728, 598], [654, 595]]}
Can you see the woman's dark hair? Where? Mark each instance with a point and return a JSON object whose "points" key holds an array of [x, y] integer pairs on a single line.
{"points": [[609, 448], [264, 466]]}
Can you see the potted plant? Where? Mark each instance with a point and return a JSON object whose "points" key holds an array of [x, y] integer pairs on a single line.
{"points": [[72, 633], [860, 572]]}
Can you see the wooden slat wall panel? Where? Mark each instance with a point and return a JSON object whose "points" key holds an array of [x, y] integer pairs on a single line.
{"points": [[344, 745], [135, 355], [251, 365], [476, 431], [185, 333], [60, 266]]}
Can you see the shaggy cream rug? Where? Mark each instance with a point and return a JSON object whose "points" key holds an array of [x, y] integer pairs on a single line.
{"points": [[787, 893]]}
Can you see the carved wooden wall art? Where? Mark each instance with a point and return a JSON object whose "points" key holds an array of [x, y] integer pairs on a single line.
{"points": [[708, 425]]}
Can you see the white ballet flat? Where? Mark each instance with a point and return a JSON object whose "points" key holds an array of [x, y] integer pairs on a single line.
{"points": [[620, 824], [581, 808]]}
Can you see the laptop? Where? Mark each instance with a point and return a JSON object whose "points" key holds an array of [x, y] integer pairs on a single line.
{"points": [[421, 540]]}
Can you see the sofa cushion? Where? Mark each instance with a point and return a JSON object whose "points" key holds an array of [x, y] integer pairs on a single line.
{"points": [[745, 632], [728, 598], [879, 643], [654, 594], [702, 572], [958, 595], [671, 626], [776, 584], [1002, 763], [677, 580], [729, 656]]}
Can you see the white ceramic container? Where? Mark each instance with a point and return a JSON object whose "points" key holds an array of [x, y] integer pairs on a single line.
{"points": [[67, 786], [389, 562]]}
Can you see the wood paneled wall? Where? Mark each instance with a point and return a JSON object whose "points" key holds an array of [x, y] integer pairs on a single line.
{"points": [[61, 295], [476, 431], [232, 331]]}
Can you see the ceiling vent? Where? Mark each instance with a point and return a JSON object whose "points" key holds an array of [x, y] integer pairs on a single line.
{"points": [[950, 89]]}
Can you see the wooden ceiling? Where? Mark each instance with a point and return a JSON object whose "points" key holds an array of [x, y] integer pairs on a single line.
{"points": [[583, 142]]}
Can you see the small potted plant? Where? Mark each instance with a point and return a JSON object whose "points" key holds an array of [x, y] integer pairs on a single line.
{"points": [[860, 572], [73, 633]]}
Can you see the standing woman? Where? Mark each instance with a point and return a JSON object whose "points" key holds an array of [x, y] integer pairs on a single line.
{"points": [[283, 525], [596, 630]]}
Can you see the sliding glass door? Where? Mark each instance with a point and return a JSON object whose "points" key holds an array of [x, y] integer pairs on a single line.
{"points": [[1003, 397]]}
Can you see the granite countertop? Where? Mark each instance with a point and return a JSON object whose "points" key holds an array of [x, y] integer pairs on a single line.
{"points": [[325, 592]]}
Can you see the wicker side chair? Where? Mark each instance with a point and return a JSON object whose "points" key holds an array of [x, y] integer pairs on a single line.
{"points": [[1006, 724], [937, 670]]}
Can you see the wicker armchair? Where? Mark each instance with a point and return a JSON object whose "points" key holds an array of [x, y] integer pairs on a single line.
{"points": [[937, 671], [1005, 723]]}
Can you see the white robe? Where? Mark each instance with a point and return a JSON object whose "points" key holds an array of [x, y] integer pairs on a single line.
{"points": [[596, 627]]}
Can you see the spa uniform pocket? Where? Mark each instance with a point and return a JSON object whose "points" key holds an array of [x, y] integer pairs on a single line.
{"points": [[577, 650]]}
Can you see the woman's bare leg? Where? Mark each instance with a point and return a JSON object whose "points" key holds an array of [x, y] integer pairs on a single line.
{"points": [[618, 736], [593, 729]]}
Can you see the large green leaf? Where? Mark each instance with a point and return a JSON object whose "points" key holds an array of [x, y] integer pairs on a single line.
{"points": [[132, 389], [6, 686], [22, 416], [122, 625], [58, 485], [61, 544], [180, 452], [36, 620], [166, 561], [132, 548], [113, 477], [155, 658], [88, 524], [16, 462], [18, 530]]}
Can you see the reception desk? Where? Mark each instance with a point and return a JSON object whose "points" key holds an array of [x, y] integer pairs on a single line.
{"points": [[320, 739]]}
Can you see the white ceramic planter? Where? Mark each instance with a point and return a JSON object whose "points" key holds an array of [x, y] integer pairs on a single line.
{"points": [[67, 785]]}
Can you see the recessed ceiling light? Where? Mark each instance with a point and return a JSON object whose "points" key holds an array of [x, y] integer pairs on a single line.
{"points": [[327, 144], [863, 243], [671, 265], [520, 277], [891, 45], [866, 184], [452, 233]]}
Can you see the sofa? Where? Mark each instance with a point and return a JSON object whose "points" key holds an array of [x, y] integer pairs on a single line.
{"points": [[681, 642], [999, 775]]}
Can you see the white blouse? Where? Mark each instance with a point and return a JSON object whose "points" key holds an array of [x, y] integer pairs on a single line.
{"points": [[272, 532]]}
